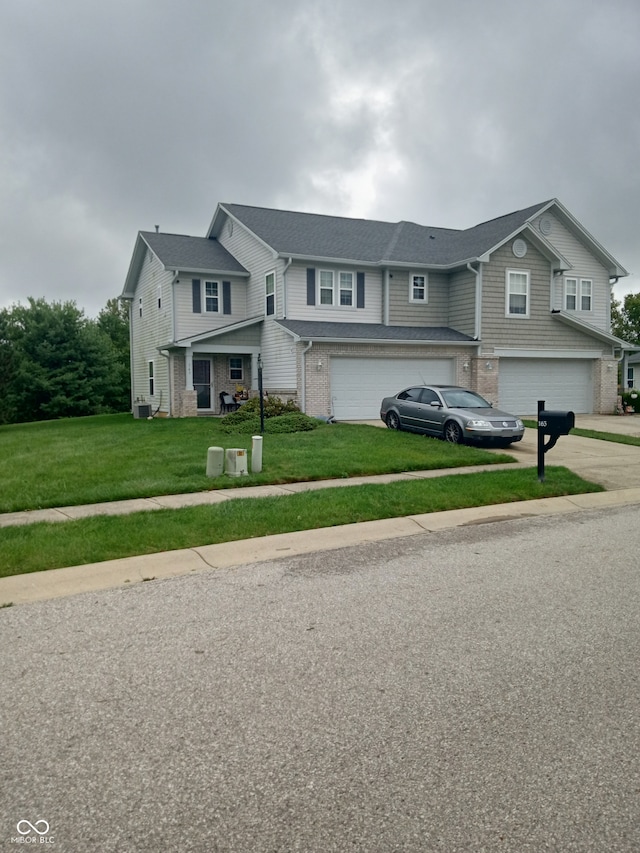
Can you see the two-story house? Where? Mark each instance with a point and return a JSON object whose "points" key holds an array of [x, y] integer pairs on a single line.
{"points": [[343, 312]]}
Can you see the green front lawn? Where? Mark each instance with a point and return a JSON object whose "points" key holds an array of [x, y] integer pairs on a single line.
{"points": [[114, 457], [53, 545]]}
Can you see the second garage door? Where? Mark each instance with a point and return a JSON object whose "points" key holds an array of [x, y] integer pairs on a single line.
{"points": [[359, 384], [561, 383]]}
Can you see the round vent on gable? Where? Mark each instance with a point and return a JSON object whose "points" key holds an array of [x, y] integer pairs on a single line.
{"points": [[519, 248], [545, 225]]}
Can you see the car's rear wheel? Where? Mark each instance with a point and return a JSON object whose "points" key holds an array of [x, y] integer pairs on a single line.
{"points": [[452, 432], [393, 421]]}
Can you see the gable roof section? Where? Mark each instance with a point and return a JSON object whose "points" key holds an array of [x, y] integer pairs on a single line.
{"points": [[313, 330], [195, 254], [180, 252], [317, 236]]}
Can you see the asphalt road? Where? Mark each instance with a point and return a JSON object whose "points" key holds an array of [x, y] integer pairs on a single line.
{"points": [[475, 689]]}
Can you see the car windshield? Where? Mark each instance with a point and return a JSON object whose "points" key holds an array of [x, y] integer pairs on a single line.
{"points": [[460, 398]]}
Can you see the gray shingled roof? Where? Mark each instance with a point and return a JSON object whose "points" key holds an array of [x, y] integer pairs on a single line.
{"points": [[318, 330], [370, 241], [177, 251]]}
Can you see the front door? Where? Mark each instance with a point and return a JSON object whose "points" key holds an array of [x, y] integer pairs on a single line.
{"points": [[202, 382]]}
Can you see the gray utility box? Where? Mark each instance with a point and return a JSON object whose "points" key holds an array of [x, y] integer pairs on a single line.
{"points": [[142, 410]]}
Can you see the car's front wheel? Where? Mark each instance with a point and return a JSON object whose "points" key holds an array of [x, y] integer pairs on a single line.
{"points": [[452, 432], [393, 421]]}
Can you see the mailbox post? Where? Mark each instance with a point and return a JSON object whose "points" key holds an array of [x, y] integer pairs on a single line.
{"points": [[552, 425]]}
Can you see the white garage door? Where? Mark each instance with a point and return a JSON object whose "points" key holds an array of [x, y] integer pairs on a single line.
{"points": [[562, 384], [359, 384]]}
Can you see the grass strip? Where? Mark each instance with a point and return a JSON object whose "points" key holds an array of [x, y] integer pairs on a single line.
{"points": [[41, 546], [617, 438]]}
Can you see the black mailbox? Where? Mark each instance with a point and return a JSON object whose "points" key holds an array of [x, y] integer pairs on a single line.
{"points": [[551, 425], [555, 423]]}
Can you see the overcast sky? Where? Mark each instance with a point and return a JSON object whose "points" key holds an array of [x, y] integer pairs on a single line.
{"points": [[119, 116]]}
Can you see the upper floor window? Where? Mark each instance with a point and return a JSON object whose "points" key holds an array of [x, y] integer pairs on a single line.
{"points": [[159, 295], [211, 296], [346, 288], [517, 295], [418, 288], [270, 293], [140, 307], [578, 294], [326, 287], [336, 288]]}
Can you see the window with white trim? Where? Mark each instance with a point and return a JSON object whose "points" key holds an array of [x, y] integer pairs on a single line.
{"points": [[270, 293], [159, 295], [326, 287], [346, 288], [578, 294], [586, 289], [152, 378], [517, 296], [418, 288], [140, 307], [235, 369], [211, 296]]}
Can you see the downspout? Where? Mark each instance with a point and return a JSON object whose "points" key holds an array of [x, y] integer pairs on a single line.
{"points": [[284, 287], [130, 302], [173, 304], [303, 407], [385, 299], [167, 355]]}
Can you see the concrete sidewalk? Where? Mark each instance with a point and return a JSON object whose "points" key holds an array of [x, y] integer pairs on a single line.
{"points": [[614, 466]]}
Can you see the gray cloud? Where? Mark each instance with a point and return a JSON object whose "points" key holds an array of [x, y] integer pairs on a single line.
{"points": [[120, 117]]}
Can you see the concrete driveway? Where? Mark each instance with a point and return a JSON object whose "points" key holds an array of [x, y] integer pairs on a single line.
{"points": [[612, 465]]}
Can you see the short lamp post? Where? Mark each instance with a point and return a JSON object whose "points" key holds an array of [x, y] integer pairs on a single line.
{"points": [[260, 392]]}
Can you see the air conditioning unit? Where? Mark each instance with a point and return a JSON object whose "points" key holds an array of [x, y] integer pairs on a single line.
{"points": [[142, 410]]}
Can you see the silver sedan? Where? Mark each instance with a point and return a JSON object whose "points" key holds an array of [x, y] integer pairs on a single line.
{"points": [[449, 412]]}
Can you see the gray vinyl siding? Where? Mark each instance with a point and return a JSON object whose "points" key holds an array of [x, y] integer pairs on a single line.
{"points": [[151, 329], [297, 308], [403, 312], [190, 323], [585, 265], [540, 330], [258, 260], [278, 357], [462, 302]]}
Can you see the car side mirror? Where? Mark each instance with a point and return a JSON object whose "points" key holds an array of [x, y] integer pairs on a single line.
{"points": [[435, 404]]}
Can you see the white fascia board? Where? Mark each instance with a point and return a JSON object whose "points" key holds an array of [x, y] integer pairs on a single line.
{"points": [[616, 269], [384, 341], [311, 259], [593, 331], [195, 271], [135, 265]]}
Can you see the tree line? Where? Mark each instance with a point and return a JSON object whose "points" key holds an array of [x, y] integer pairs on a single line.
{"points": [[625, 318], [57, 363]]}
